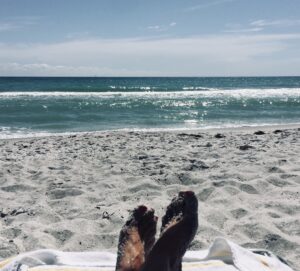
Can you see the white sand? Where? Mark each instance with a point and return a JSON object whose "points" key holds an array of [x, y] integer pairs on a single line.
{"points": [[74, 192]]}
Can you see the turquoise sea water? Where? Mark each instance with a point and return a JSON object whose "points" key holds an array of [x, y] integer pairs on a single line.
{"points": [[37, 106]]}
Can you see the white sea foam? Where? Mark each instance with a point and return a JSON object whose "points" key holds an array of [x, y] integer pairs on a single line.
{"points": [[7, 133], [197, 88], [24, 133], [206, 127], [132, 87], [212, 93]]}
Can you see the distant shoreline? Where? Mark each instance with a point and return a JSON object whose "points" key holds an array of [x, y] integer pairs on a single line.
{"points": [[253, 128], [171, 76]]}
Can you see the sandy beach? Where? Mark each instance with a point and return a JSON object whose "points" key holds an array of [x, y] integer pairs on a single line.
{"points": [[74, 192]]}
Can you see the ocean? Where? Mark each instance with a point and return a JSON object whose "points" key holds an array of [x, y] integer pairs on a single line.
{"points": [[33, 106]]}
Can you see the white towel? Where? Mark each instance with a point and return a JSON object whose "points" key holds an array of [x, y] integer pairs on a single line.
{"points": [[223, 255]]}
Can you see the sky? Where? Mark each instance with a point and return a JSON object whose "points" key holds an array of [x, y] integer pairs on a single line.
{"points": [[149, 38]]}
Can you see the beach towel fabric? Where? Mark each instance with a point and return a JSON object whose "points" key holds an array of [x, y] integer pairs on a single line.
{"points": [[223, 255]]}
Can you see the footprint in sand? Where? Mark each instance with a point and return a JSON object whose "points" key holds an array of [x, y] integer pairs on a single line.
{"points": [[276, 243], [275, 170], [17, 188], [205, 193], [287, 209], [277, 181], [239, 213], [291, 228], [61, 235], [8, 248], [11, 233], [62, 193], [248, 189], [273, 215]]}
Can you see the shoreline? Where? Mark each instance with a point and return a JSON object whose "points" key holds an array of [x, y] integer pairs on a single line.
{"points": [[266, 127], [73, 192]]}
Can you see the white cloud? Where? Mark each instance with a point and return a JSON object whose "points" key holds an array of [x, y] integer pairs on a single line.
{"points": [[43, 69], [210, 55], [283, 22], [19, 22], [243, 30], [208, 4], [161, 28], [260, 25], [154, 27]]}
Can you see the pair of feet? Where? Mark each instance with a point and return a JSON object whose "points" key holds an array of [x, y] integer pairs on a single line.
{"points": [[137, 249]]}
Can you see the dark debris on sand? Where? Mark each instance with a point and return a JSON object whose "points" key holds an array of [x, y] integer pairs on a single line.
{"points": [[259, 133], [195, 136], [15, 212], [196, 165], [246, 147], [218, 135]]}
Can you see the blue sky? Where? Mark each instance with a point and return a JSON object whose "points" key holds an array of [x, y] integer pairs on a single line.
{"points": [[149, 38]]}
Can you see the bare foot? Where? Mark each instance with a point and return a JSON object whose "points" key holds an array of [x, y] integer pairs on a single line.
{"points": [[179, 226], [136, 239]]}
